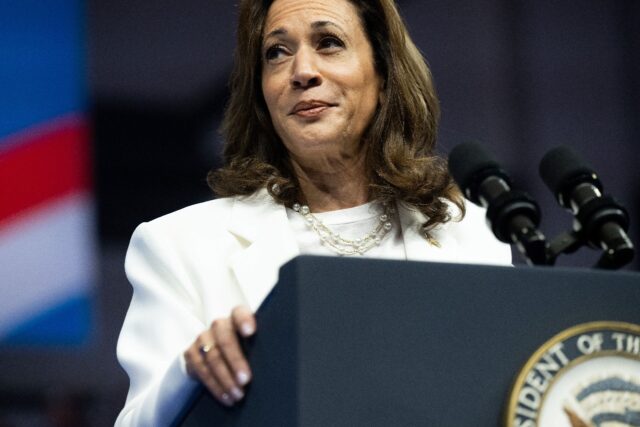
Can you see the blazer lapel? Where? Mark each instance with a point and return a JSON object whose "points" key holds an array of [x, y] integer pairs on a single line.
{"points": [[417, 246], [262, 227]]}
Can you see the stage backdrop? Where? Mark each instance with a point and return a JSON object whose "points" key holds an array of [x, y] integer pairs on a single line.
{"points": [[47, 250]]}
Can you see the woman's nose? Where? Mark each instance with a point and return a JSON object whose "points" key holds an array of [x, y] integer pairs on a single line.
{"points": [[305, 71]]}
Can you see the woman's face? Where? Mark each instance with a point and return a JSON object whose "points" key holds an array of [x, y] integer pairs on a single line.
{"points": [[319, 80]]}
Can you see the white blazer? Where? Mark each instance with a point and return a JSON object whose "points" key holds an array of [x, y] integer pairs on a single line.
{"points": [[194, 265]]}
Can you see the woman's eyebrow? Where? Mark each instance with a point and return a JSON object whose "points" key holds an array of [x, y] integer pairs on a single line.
{"points": [[317, 25], [276, 32], [322, 24]]}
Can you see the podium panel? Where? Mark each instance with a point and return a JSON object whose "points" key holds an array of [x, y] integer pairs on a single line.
{"points": [[360, 342]]}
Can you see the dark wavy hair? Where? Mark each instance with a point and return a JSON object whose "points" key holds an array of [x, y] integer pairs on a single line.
{"points": [[400, 159]]}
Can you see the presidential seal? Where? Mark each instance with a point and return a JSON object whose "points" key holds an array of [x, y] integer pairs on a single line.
{"points": [[586, 376]]}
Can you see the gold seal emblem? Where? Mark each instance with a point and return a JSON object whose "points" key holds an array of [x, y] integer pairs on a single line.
{"points": [[586, 376]]}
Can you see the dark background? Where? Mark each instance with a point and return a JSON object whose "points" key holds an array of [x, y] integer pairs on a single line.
{"points": [[520, 76]]}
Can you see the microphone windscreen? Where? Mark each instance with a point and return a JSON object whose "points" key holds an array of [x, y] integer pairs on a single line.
{"points": [[467, 161], [561, 167]]}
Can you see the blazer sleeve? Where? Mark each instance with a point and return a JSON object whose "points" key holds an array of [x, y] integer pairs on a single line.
{"points": [[161, 322]]}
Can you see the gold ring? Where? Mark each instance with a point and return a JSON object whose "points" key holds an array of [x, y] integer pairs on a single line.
{"points": [[205, 348]]}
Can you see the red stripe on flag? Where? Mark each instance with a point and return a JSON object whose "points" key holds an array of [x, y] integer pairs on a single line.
{"points": [[44, 166]]}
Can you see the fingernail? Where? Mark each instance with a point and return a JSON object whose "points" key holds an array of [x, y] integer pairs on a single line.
{"points": [[237, 393], [243, 377], [226, 399], [247, 329]]}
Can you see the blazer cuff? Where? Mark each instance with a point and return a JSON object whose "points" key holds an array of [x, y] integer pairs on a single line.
{"points": [[165, 402]]}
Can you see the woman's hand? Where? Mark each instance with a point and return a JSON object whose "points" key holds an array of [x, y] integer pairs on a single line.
{"points": [[216, 359]]}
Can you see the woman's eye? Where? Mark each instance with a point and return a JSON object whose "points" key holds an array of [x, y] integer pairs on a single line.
{"points": [[274, 52], [330, 42]]}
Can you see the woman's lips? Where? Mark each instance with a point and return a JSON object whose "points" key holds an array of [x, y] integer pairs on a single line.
{"points": [[310, 109], [312, 112]]}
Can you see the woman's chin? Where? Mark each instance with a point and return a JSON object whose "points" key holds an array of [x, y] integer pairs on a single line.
{"points": [[316, 144]]}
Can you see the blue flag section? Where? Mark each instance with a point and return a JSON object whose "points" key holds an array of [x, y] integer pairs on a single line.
{"points": [[47, 236], [42, 71]]}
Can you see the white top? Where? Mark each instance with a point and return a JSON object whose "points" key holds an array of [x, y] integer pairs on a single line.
{"points": [[350, 223]]}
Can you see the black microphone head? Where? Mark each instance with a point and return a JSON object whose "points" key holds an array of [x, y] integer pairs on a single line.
{"points": [[562, 170], [470, 164]]}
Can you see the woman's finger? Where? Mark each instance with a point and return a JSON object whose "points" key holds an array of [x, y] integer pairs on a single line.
{"points": [[245, 324], [197, 369], [225, 347], [231, 354], [216, 357], [244, 321]]}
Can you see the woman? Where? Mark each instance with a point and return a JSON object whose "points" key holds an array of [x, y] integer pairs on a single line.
{"points": [[330, 135]]}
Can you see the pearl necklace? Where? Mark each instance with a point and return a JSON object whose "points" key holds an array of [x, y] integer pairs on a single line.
{"points": [[342, 245]]}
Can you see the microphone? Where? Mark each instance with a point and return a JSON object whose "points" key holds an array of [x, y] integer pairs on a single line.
{"points": [[512, 215], [599, 220]]}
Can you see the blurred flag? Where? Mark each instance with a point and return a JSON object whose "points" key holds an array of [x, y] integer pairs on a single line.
{"points": [[47, 236]]}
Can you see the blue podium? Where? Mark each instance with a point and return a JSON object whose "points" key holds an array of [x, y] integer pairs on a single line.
{"points": [[359, 342]]}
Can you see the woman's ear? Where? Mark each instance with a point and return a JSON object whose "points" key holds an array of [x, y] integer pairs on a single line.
{"points": [[382, 95]]}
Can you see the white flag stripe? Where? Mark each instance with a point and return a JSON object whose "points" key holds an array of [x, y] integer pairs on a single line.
{"points": [[46, 258]]}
